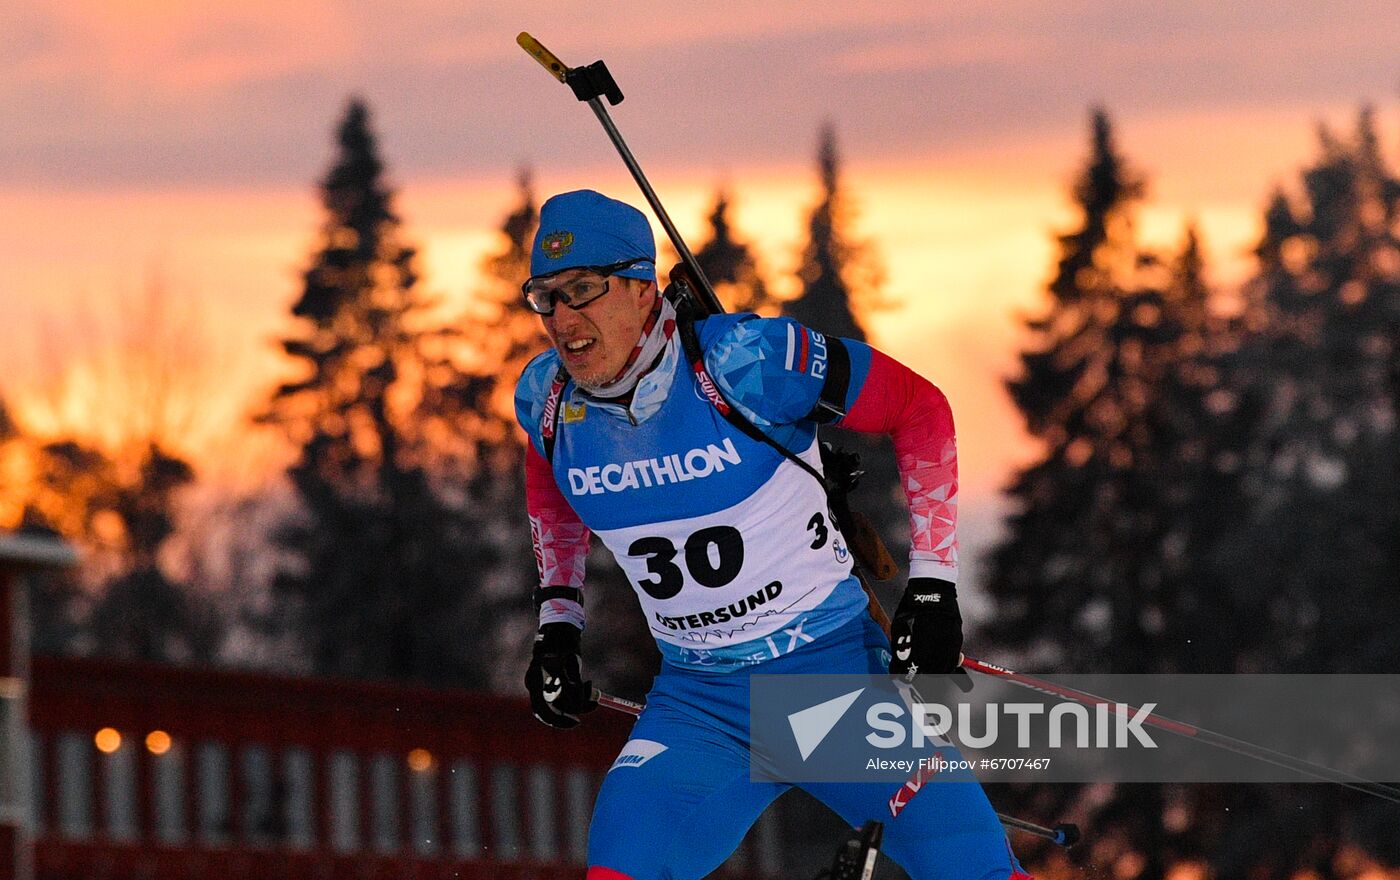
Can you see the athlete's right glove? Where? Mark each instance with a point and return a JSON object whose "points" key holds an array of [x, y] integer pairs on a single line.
{"points": [[926, 633], [558, 693]]}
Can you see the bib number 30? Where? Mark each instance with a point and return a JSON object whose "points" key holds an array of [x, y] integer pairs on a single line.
{"points": [[705, 568]]}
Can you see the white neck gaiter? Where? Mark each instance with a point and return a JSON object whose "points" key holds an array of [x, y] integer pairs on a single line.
{"points": [[658, 330]]}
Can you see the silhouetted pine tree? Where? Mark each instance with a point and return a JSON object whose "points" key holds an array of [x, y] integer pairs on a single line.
{"points": [[1057, 579], [1192, 615], [1289, 560], [731, 266], [1096, 571], [143, 613], [1312, 559], [1231, 519], [384, 571], [505, 335], [838, 272]]}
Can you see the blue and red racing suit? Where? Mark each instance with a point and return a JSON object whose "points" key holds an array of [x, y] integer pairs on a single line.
{"points": [[738, 569]]}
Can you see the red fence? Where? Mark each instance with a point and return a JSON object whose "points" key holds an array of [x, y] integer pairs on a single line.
{"points": [[149, 772]]}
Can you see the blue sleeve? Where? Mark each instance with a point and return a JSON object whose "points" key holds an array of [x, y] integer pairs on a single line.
{"points": [[531, 391], [774, 369]]}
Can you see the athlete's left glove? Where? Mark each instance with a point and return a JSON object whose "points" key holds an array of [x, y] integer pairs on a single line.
{"points": [[558, 693], [926, 634]]}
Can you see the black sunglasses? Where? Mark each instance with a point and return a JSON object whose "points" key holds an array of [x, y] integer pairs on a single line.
{"points": [[575, 294]]}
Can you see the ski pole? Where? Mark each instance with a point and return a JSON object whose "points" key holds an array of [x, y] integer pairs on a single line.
{"points": [[589, 84], [1200, 734], [1065, 834]]}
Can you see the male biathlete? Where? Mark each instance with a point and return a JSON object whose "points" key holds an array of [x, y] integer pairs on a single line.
{"points": [[728, 543]]}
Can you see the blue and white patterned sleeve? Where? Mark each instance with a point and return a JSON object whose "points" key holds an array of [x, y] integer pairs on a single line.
{"points": [[773, 369]]}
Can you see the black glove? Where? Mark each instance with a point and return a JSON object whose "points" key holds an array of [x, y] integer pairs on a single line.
{"points": [[558, 693], [926, 634]]}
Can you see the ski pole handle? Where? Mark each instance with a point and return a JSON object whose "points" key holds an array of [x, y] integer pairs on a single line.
{"points": [[617, 704]]}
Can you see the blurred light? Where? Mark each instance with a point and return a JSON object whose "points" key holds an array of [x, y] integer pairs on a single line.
{"points": [[158, 742], [108, 740], [420, 760]]}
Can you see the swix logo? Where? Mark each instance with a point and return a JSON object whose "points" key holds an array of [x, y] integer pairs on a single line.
{"points": [[929, 597], [695, 464], [711, 392], [551, 405]]}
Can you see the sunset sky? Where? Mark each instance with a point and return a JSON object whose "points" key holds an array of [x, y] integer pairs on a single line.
{"points": [[181, 141]]}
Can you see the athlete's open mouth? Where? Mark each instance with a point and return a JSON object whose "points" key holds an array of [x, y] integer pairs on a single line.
{"points": [[577, 345]]}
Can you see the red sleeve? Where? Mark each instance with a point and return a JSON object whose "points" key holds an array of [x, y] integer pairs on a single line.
{"points": [[560, 538], [897, 401]]}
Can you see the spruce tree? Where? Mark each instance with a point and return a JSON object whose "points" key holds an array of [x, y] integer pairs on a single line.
{"points": [[838, 272], [1102, 566], [1231, 519], [1312, 556], [1193, 470], [1054, 576], [1097, 571], [384, 567], [506, 334], [484, 351], [731, 266]]}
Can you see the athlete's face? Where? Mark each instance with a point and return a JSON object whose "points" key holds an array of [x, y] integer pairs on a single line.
{"points": [[595, 341]]}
